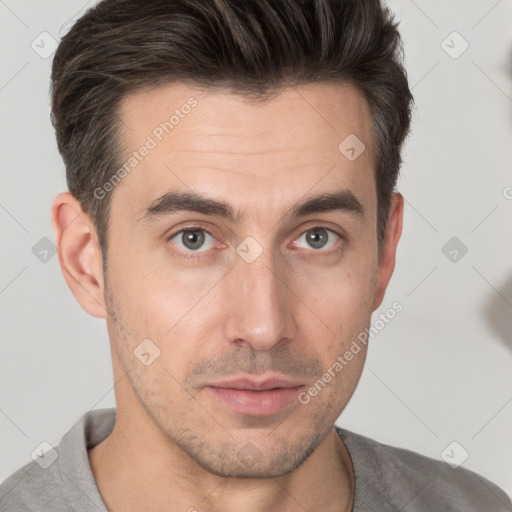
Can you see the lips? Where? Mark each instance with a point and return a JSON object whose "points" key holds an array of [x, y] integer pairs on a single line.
{"points": [[255, 397], [256, 385]]}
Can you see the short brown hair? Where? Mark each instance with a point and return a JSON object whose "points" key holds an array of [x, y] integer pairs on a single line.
{"points": [[254, 48]]}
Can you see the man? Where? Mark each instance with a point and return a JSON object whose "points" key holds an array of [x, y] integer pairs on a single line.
{"points": [[232, 216]]}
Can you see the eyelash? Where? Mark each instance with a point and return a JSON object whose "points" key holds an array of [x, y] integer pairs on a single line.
{"points": [[201, 254]]}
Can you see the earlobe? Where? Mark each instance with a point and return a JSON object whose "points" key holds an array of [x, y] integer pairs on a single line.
{"points": [[79, 253], [386, 263]]}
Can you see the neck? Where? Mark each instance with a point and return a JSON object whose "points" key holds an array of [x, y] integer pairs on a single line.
{"points": [[157, 475]]}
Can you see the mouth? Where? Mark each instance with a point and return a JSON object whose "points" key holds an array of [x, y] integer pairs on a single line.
{"points": [[255, 397]]}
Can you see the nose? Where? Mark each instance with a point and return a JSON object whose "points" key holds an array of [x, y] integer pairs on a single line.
{"points": [[261, 305]]}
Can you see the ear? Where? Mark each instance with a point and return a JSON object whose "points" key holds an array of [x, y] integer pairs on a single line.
{"points": [[79, 253], [387, 258]]}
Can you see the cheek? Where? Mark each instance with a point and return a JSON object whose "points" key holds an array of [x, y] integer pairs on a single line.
{"points": [[341, 297], [157, 295]]}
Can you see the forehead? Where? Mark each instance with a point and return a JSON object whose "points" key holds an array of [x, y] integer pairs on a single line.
{"points": [[218, 144]]}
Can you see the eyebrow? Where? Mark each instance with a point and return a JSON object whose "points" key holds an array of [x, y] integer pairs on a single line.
{"points": [[342, 200]]}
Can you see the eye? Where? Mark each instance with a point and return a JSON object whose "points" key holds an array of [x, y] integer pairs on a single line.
{"points": [[318, 238], [193, 240]]}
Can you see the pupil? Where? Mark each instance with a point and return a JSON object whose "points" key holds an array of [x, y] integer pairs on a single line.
{"points": [[193, 239], [317, 238]]}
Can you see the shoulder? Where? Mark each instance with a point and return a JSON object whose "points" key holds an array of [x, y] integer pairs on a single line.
{"points": [[61, 479], [403, 478], [32, 488]]}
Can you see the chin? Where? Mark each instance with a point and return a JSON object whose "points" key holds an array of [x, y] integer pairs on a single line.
{"points": [[249, 461]]}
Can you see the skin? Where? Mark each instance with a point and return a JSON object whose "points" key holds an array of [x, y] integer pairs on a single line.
{"points": [[290, 312]]}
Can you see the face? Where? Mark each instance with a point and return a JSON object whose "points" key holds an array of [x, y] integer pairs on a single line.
{"points": [[241, 272]]}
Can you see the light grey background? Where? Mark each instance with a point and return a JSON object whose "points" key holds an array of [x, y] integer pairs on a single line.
{"points": [[440, 372]]}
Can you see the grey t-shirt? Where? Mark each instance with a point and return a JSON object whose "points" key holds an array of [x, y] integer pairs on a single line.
{"points": [[387, 479]]}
